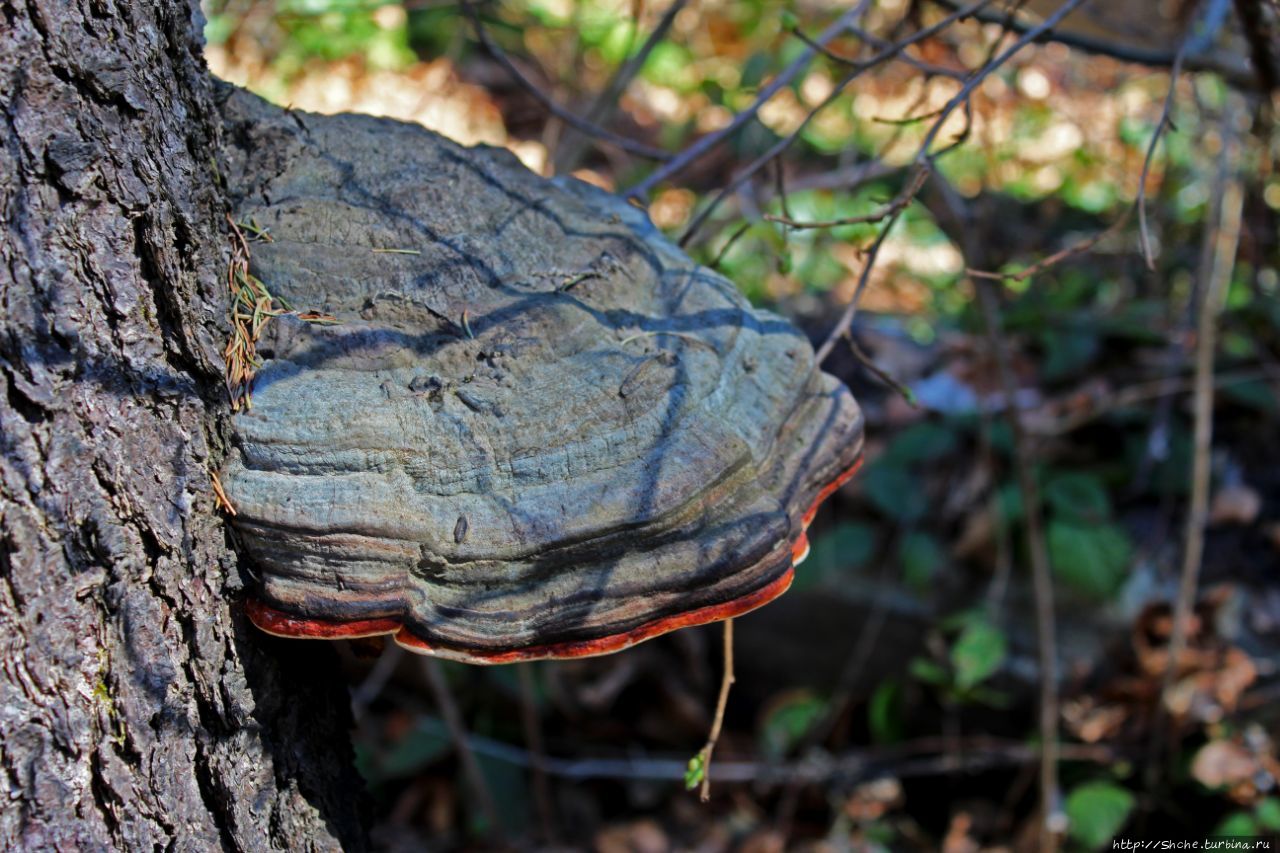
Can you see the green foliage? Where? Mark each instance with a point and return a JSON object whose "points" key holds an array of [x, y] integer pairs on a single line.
{"points": [[1078, 497], [977, 653], [891, 483], [1263, 818], [885, 712], [844, 548], [1098, 811], [787, 722], [895, 491], [695, 772], [921, 555], [1092, 559]]}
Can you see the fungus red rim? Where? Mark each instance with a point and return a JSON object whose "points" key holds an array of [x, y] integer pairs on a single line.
{"points": [[282, 624]]}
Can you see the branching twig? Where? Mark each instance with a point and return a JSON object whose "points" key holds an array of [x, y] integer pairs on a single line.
{"points": [[845, 322], [607, 101], [895, 206], [982, 73], [745, 174], [695, 151], [1057, 257], [567, 116]]}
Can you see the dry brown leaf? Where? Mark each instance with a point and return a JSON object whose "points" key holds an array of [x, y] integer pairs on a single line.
{"points": [[641, 836], [1093, 722], [958, 839], [872, 801], [1236, 504], [976, 536], [1224, 764]]}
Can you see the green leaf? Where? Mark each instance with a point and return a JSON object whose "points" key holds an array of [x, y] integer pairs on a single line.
{"points": [[896, 492], [1236, 823], [977, 653], [420, 747], [1067, 352], [1078, 497], [884, 712], [1097, 811], [922, 442], [1092, 560], [921, 557], [835, 553], [787, 721], [928, 671], [695, 772], [1268, 813]]}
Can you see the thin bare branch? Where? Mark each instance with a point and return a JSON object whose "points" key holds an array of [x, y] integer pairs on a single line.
{"points": [[1239, 74], [607, 101], [705, 144], [728, 244], [930, 756], [982, 73], [722, 701], [570, 118], [877, 42], [895, 206], [1057, 257], [537, 752], [1166, 112], [879, 372], [1225, 241], [783, 144], [845, 323]]}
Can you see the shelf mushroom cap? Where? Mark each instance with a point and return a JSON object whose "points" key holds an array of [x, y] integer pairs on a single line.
{"points": [[537, 429]]}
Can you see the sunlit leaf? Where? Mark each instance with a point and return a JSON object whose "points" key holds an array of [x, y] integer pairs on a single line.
{"points": [[977, 653], [1097, 811]]}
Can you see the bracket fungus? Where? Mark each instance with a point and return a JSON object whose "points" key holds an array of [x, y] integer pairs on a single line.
{"points": [[537, 429]]}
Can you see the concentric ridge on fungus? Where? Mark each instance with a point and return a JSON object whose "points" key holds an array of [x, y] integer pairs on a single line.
{"points": [[538, 430]]}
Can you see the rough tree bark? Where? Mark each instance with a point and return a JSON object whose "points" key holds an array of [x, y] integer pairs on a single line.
{"points": [[138, 710]]}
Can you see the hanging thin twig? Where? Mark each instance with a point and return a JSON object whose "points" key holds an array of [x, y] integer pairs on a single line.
{"points": [[703, 758]]}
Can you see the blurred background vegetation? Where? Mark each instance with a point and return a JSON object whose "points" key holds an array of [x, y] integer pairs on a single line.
{"points": [[890, 701]]}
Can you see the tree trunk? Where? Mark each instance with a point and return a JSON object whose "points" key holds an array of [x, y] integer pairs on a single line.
{"points": [[138, 709]]}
